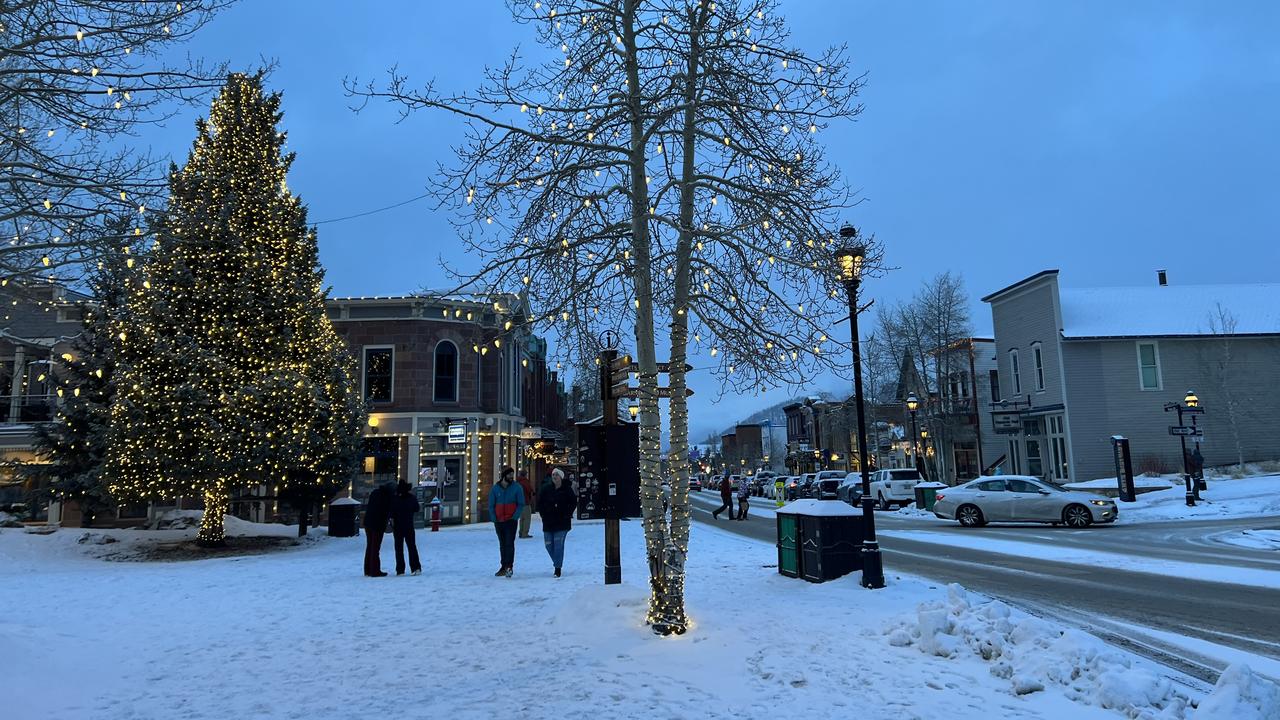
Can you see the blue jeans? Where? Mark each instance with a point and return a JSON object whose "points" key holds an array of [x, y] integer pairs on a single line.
{"points": [[555, 546]]}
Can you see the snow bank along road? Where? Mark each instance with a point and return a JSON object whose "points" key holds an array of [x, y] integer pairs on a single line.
{"points": [[1221, 620]]}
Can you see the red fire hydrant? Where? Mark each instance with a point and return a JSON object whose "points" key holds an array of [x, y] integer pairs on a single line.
{"points": [[435, 515]]}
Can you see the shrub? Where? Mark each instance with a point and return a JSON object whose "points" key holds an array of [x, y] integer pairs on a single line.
{"points": [[1153, 466]]}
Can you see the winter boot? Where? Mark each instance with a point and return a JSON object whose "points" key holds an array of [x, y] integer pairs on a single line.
{"points": [[557, 572]]}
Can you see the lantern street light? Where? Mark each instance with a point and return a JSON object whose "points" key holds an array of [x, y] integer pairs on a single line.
{"points": [[913, 404], [851, 254], [1190, 405]]}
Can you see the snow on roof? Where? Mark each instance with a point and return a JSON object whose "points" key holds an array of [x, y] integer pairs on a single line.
{"points": [[1170, 310]]}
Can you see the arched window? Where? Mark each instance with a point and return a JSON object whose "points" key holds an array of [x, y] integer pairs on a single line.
{"points": [[446, 372]]}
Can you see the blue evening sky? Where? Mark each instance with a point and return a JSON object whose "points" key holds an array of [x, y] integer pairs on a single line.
{"points": [[1000, 138]]}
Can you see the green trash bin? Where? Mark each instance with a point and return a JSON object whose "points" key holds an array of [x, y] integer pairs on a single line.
{"points": [[927, 494], [788, 544]]}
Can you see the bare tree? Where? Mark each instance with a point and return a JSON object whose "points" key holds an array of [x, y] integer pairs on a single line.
{"points": [[1219, 364], [77, 79], [667, 162]]}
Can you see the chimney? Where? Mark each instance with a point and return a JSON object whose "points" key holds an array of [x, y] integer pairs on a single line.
{"points": [[1163, 277]]}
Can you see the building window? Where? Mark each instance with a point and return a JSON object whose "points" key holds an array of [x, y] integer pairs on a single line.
{"points": [[1035, 465], [1039, 358], [446, 372], [377, 373], [994, 377], [1149, 366], [1017, 374]]}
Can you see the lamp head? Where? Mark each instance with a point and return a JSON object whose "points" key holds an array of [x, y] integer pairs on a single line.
{"points": [[913, 403], [850, 255], [634, 410], [1191, 400], [373, 423]]}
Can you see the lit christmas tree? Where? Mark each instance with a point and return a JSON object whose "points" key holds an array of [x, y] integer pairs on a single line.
{"points": [[72, 449], [230, 374]]}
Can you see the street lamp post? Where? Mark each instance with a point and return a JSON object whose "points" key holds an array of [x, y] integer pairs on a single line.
{"points": [[913, 404], [851, 255], [1190, 404]]}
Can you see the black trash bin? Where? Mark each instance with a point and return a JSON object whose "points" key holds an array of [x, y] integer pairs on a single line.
{"points": [[819, 540], [342, 517]]}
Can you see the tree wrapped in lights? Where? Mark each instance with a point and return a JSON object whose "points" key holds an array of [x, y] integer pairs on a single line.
{"points": [[72, 449], [229, 371], [77, 78], [650, 167]]}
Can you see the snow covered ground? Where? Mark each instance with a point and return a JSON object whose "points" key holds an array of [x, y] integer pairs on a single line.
{"points": [[299, 633], [1225, 498]]}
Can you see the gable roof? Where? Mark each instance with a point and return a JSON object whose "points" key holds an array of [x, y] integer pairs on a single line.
{"points": [[1169, 311]]}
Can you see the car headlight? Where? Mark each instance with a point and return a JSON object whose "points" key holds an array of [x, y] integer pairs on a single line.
{"points": [[1102, 503]]}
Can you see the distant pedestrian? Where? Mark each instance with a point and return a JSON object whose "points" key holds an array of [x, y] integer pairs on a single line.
{"points": [[666, 496], [506, 500], [556, 504], [404, 510], [527, 513], [377, 511], [726, 498], [744, 497]]}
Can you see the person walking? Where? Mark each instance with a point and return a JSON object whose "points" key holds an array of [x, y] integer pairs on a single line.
{"points": [[506, 500], [404, 508], [527, 514], [377, 511], [726, 498], [744, 496], [556, 504]]}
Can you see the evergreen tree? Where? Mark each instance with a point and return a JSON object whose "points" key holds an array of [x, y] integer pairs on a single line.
{"points": [[230, 373], [72, 448]]}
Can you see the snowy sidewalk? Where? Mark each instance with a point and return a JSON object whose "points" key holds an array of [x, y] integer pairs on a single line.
{"points": [[301, 634]]}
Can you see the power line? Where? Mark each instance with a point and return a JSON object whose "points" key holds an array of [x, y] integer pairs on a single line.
{"points": [[371, 212]]}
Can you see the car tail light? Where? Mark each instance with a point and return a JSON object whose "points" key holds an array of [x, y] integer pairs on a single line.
{"points": [[938, 496]]}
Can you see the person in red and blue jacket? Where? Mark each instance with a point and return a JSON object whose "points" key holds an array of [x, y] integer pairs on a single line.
{"points": [[506, 502]]}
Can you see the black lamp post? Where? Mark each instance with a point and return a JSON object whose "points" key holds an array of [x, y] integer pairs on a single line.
{"points": [[851, 255], [913, 404], [1190, 404]]}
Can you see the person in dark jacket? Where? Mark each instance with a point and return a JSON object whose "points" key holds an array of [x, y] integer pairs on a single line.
{"points": [[404, 508], [556, 504], [506, 500], [726, 498], [376, 513]]}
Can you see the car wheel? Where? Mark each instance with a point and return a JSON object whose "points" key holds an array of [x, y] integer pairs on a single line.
{"points": [[970, 516], [1077, 516], [885, 506]]}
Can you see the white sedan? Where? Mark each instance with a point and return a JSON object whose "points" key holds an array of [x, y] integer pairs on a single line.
{"points": [[1021, 498]]}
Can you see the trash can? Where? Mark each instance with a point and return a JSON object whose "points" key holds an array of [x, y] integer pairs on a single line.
{"points": [[788, 544], [927, 494], [829, 539], [342, 517]]}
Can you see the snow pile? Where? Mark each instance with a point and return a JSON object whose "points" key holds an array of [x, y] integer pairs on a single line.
{"points": [[1241, 695], [8, 520], [1032, 654], [1253, 539], [232, 526]]}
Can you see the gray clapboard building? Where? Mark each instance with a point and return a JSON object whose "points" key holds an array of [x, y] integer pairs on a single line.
{"points": [[1077, 366]]}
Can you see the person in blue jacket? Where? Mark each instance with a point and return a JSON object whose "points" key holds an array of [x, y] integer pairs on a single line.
{"points": [[506, 502]]}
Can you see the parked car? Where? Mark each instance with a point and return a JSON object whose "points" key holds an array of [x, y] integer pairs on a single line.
{"points": [[1021, 498], [894, 487], [826, 483], [850, 489], [793, 487], [695, 484], [733, 483], [806, 484]]}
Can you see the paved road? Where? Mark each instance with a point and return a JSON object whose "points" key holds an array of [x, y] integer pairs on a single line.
{"points": [[1236, 616]]}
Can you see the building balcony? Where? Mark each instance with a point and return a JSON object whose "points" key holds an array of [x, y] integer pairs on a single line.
{"points": [[22, 409]]}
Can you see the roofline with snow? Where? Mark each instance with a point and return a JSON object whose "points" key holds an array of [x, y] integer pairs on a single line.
{"points": [[1020, 283]]}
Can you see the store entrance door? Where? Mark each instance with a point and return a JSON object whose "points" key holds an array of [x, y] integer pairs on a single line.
{"points": [[441, 477]]}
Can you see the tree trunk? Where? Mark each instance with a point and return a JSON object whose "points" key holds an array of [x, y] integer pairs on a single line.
{"points": [[211, 532], [646, 353]]}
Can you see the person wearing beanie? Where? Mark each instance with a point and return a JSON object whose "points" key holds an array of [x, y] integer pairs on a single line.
{"points": [[556, 504], [506, 501]]}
